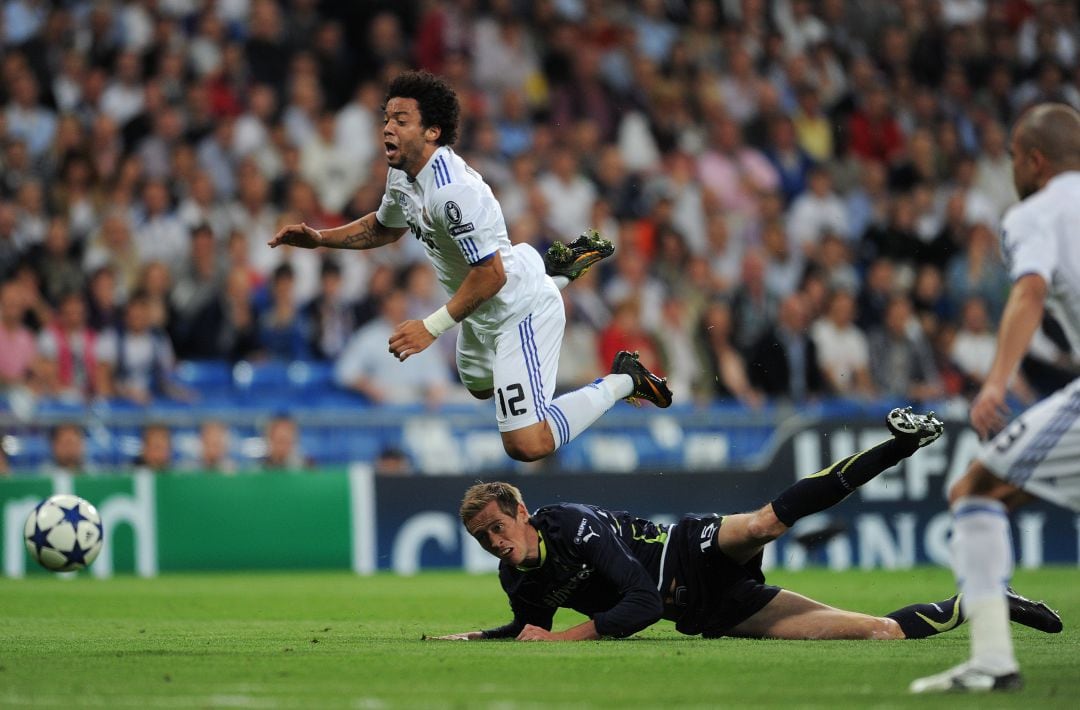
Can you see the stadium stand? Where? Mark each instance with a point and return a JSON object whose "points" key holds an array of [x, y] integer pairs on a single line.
{"points": [[743, 153]]}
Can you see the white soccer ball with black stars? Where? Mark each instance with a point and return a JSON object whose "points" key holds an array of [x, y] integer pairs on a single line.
{"points": [[63, 533]]}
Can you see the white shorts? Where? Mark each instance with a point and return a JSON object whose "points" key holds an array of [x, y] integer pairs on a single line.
{"points": [[1039, 451], [519, 363]]}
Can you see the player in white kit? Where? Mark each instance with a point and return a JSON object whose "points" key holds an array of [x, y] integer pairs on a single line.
{"points": [[507, 302], [1036, 454]]}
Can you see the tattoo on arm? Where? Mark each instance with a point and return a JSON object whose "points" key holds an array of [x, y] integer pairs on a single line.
{"points": [[368, 236], [469, 306]]}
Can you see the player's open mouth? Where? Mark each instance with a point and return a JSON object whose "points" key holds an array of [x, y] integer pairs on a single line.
{"points": [[390, 149], [505, 552]]}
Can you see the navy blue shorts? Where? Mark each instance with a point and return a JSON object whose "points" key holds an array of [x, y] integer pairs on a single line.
{"points": [[713, 593]]}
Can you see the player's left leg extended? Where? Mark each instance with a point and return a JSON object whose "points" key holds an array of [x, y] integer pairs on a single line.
{"points": [[742, 536], [534, 423], [1033, 455], [792, 616]]}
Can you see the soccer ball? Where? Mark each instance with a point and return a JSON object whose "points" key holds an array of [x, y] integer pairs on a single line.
{"points": [[63, 533]]}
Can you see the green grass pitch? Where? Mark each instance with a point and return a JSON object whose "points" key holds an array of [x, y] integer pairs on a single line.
{"points": [[321, 640]]}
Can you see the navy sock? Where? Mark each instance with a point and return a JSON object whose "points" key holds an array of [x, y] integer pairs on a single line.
{"points": [[921, 620], [826, 488]]}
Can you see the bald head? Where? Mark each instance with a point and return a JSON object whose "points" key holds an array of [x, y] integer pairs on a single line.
{"points": [[1045, 142], [1054, 130]]}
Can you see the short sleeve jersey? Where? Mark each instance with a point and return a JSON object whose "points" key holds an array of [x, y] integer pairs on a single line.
{"points": [[453, 212], [1041, 235]]}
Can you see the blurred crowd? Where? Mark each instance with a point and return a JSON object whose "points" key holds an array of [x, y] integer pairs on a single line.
{"points": [[805, 195]]}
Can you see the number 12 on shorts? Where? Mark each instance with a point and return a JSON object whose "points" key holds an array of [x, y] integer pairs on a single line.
{"points": [[512, 404]]}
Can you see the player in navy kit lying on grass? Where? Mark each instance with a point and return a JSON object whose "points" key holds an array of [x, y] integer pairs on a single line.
{"points": [[703, 572]]}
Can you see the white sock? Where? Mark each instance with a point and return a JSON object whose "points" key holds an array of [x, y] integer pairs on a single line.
{"points": [[561, 281], [574, 412], [982, 561]]}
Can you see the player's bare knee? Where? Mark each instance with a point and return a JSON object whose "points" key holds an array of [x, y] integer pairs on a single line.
{"points": [[532, 448], [764, 526], [530, 443], [884, 629], [526, 452]]}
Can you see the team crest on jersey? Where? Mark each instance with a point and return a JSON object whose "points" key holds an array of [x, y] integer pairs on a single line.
{"points": [[453, 212]]}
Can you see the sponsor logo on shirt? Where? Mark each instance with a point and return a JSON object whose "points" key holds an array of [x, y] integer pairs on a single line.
{"points": [[582, 536], [560, 595]]}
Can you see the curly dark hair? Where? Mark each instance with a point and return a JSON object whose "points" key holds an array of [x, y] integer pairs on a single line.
{"points": [[437, 100]]}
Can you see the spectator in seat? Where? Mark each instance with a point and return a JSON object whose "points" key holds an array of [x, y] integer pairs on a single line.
{"points": [[67, 451], [816, 212], [366, 365], [902, 362], [136, 360], [392, 461], [112, 246], [58, 270], [793, 165], [232, 326], [626, 331], [974, 346], [753, 306], [331, 315], [69, 347], [842, 348], [214, 445], [281, 330], [979, 271], [282, 446], [723, 362], [17, 346], [783, 363], [198, 286], [156, 453], [873, 129]]}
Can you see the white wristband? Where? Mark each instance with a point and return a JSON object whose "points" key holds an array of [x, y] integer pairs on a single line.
{"points": [[439, 322]]}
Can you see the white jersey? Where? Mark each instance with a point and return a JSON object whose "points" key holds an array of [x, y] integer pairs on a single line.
{"points": [[1041, 235], [453, 212], [1037, 450]]}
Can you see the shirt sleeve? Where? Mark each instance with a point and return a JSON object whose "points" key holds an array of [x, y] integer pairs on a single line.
{"points": [[390, 213], [640, 604], [1028, 243], [473, 220], [106, 346], [525, 612], [47, 345]]}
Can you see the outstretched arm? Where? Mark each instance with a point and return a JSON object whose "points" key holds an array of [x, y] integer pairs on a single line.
{"points": [[526, 616], [1022, 316], [466, 636], [585, 631], [364, 233], [484, 281]]}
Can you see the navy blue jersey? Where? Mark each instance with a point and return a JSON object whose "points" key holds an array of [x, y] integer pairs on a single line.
{"points": [[604, 564]]}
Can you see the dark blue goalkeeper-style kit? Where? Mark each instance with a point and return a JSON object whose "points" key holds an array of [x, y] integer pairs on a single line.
{"points": [[626, 573]]}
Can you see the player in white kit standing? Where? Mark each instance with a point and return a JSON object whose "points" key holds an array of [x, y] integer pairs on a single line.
{"points": [[507, 302], [1036, 454]]}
